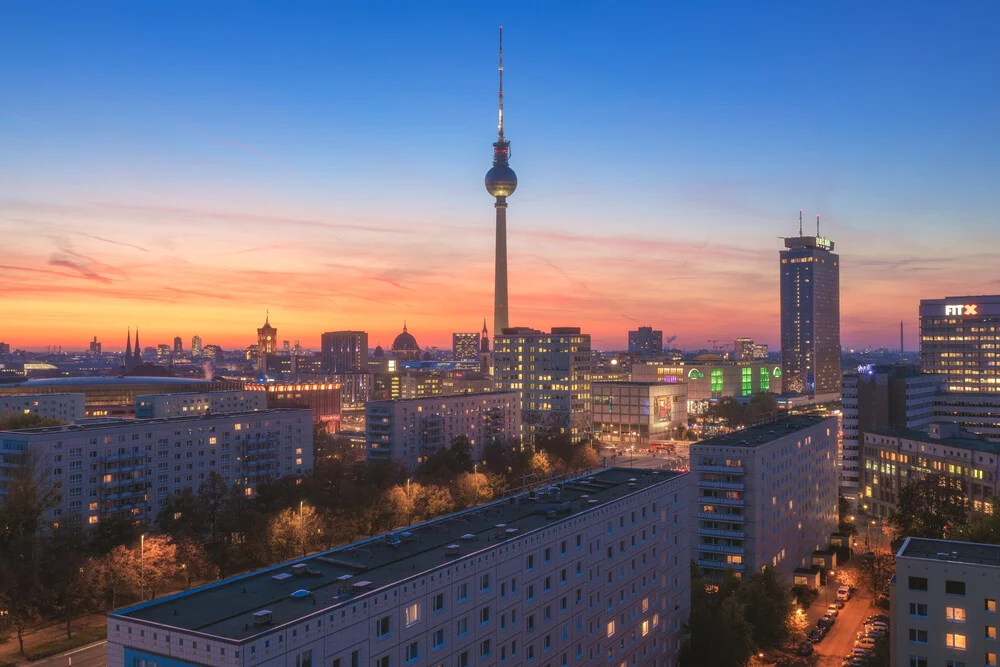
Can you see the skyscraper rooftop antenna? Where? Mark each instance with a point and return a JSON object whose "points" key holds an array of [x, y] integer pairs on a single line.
{"points": [[800, 222], [817, 224], [500, 123]]}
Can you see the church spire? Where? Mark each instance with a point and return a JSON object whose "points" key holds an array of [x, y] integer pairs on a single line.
{"points": [[128, 345], [138, 353]]}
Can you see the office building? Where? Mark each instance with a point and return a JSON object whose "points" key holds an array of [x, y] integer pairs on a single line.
{"points": [[593, 567], [178, 347], [196, 349], [66, 407], [186, 404], [638, 413], [960, 339], [766, 495], [322, 398], [95, 348], [709, 377], [810, 316], [880, 398], [344, 351], [976, 412], [744, 349], [943, 604], [130, 467], [551, 371], [645, 342], [465, 346], [163, 353], [409, 430], [893, 459], [267, 343]]}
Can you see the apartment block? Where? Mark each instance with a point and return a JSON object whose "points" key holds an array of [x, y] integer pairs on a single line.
{"points": [[408, 430], [67, 407], [766, 495], [158, 406], [944, 604], [591, 570], [131, 467]]}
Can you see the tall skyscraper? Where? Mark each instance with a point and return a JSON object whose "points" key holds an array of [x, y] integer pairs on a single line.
{"points": [[95, 347], [345, 351], [959, 336], [810, 316], [196, 349], [552, 372], [267, 343], [645, 342], [500, 183], [178, 346], [465, 346]]}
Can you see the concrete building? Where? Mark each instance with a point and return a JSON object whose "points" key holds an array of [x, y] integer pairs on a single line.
{"points": [[710, 377], [551, 371], [744, 349], [131, 467], [322, 398], [880, 398], [960, 339], [810, 316], [409, 430], [645, 342], [977, 412], [67, 407], [196, 348], [465, 346], [160, 406], [944, 604], [267, 343], [592, 571], [766, 495], [344, 351], [893, 459], [638, 413], [178, 347]]}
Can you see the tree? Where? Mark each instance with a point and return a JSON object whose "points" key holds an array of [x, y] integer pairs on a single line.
{"points": [[929, 507], [294, 531], [471, 489], [877, 569], [719, 632], [14, 422], [984, 529], [194, 562], [119, 570], [158, 564], [443, 464], [433, 501], [768, 606]]}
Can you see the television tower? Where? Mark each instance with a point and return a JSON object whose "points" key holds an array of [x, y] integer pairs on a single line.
{"points": [[501, 183]]}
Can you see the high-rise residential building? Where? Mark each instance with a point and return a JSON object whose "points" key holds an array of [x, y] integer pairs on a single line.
{"points": [[178, 347], [645, 342], [760, 351], [638, 413], [67, 407], [187, 404], [551, 371], [95, 348], [744, 349], [409, 430], [943, 604], [117, 459], [810, 316], [880, 398], [267, 343], [896, 458], [514, 582], [960, 339], [196, 349], [766, 495], [465, 346]]}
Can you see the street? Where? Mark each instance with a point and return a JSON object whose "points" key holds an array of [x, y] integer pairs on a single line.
{"points": [[839, 642], [92, 655]]}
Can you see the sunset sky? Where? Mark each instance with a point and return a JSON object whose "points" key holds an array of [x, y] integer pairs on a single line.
{"points": [[185, 167]]}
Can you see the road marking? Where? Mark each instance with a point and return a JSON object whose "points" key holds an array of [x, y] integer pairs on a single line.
{"points": [[84, 648]]}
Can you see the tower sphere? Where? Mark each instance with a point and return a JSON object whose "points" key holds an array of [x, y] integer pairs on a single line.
{"points": [[501, 181]]}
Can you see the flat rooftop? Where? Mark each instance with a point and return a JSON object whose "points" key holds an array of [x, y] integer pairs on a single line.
{"points": [[948, 550], [225, 609], [92, 425], [764, 433], [108, 382], [974, 444]]}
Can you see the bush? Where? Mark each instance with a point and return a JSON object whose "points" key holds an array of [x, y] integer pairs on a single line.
{"points": [[804, 595], [81, 638]]}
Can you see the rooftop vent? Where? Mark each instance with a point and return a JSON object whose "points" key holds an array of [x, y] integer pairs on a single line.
{"points": [[281, 576], [452, 550], [262, 617], [299, 594], [299, 569]]}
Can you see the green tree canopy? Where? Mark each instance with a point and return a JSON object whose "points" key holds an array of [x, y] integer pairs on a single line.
{"points": [[929, 507]]}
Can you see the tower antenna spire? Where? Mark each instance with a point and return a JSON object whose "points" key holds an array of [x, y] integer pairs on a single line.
{"points": [[800, 222], [817, 224], [500, 123]]}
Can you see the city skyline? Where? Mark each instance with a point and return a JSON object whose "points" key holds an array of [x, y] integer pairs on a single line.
{"points": [[199, 187]]}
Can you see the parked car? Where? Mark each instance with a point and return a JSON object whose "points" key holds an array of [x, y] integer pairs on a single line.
{"points": [[830, 618], [840, 603], [877, 617], [816, 636], [844, 592], [876, 625], [805, 648], [865, 642], [833, 610]]}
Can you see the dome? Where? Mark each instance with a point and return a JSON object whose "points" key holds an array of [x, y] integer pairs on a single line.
{"points": [[379, 352], [501, 181], [405, 342]]}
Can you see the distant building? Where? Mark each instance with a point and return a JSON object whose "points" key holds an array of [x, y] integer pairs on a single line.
{"points": [[404, 347], [645, 342], [485, 356], [163, 353], [267, 343], [894, 459], [159, 406], [95, 348], [355, 389], [178, 347], [551, 371], [711, 377], [638, 413], [211, 351], [744, 349], [766, 495], [131, 360], [344, 351], [943, 604], [760, 351], [810, 317], [974, 412], [246, 449], [408, 431], [4, 349], [465, 346], [196, 346], [67, 407], [959, 339], [322, 398]]}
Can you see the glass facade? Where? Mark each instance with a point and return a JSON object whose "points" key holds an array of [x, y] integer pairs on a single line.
{"points": [[960, 338]]}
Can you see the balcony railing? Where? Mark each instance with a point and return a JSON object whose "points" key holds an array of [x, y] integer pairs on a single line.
{"points": [[719, 565], [719, 516], [729, 502], [721, 532], [721, 549], [735, 470], [732, 486]]}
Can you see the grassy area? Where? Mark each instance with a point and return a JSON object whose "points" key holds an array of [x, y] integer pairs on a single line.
{"points": [[81, 638]]}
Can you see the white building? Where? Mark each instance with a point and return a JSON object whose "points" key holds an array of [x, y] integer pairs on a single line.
{"points": [[595, 572], [67, 407], [407, 430], [638, 412], [132, 466], [944, 604], [155, 406], [766, 495]]}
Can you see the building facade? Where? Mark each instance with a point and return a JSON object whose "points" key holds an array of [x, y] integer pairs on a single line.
{"points": [[766, 495], [810, 317], [551, 372], [409, 430], [196, 348], [160, 406], [944, 604], [712, 378], [977, 412], [67, 407], [960, 339], [345, 351], [321, 398], [131, 467], [638, 413], [465, 346], [645, 342], [267, 343], [893, 459], [603, 580]]}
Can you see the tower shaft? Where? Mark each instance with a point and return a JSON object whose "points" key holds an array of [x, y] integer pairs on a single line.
{"points": [[500, 279]]}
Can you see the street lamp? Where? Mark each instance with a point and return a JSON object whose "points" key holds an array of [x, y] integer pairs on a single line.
{"points": [[142, 567]]}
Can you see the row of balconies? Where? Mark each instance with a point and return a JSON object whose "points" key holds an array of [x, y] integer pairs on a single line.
{"points": [[735, 470], [707, 484], [730, 502], [719, 565], [722, 549], [721, 532], [719, 516]]}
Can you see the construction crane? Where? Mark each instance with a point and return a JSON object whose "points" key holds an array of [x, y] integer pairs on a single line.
{"points": [[716, 344]]}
